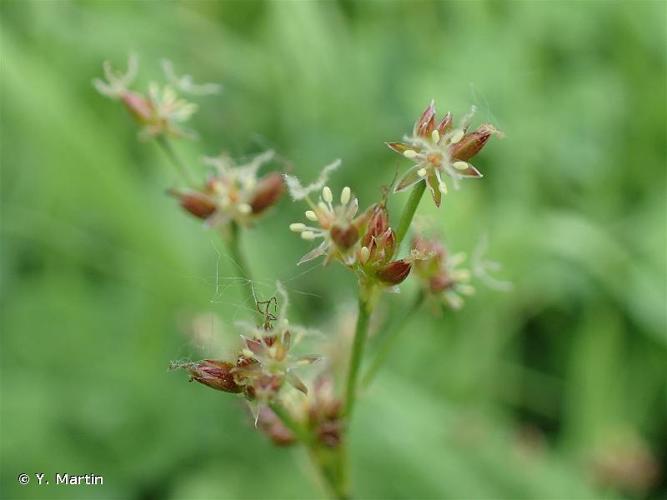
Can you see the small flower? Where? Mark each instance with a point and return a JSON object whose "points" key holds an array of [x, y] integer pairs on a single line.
{"points": [[233, 192], [160, 111], [324, 412], [440, 273], [265, 362], [336, 223], [169, 113], [378, 248], [269, 423], [440, 150], [117, 83]]}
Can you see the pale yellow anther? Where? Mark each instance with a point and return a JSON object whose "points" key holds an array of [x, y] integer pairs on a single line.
{"points": [[457, 135], [323, 207], [460, 165], [249, 183], [435, 135], [410, 153], [364, 254], [345, 195], [297, 227], [310, 215], [248, 353], [244, 208], [308, 235], [327, 195], [461, 275], [421, 172]]}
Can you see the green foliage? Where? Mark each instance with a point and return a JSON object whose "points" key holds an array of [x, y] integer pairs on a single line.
{"points": [[510, 398]]}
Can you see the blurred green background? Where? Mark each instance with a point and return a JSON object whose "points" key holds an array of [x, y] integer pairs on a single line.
{"points": [[557, 389]]}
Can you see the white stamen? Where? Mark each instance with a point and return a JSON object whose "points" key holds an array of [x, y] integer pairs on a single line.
{"points": [[308, 235], [435, 135], [457, 135], [310, 215], [345, 195], [297, 227], [322, 206], [364, 253], [249, 183], [460, 165], [461, 275], [244, 208], [421, 172], [410, 153], [327, 195]]}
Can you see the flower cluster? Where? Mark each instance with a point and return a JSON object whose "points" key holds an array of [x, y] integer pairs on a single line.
{"points": [[336, 224], [440, 274], [160, 111], [234, 192], [320, 414], [441, 150], [365, 243], [263, 365], [378, 246]]}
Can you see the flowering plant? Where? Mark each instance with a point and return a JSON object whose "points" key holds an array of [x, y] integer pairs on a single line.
{"points": [[298, 397]]}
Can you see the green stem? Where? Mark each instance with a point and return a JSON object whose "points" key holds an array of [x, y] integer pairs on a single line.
{"points": [[332, 463], [233, 244], [409, 211], [168, 149], [390, 339], [360, 334]]}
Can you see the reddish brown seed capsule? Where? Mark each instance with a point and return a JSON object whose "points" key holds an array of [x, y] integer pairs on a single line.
{"points": [[267, 193], [378, 223], [394, 272], [271, 425], [345, 237], [471, 143], [215, 374], [197, 204], [138, 106]]}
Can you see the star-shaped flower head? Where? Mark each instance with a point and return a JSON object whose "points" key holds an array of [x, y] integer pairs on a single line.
{"points": [[265, 362], [334, 221], [441, 150], [442, 277], [440, 274], [234, 192], [160, 111]]}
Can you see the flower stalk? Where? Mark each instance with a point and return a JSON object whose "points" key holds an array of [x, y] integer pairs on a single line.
{"points": [[389, 340], [357, 354], [168, 149], [233, 241], [409, 211]]}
